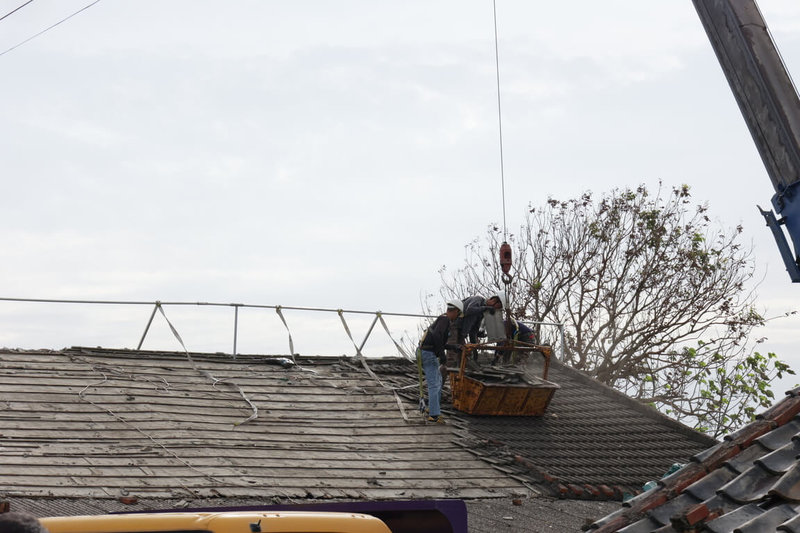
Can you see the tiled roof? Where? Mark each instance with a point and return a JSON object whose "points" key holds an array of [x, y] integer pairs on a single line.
{"points": [[99, 423], [593, 442], [750, 482]]}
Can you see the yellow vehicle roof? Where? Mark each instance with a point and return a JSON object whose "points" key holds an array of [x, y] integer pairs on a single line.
{"points": [[227, 522]]}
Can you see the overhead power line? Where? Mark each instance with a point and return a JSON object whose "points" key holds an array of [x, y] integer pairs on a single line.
{"points": [[49, 28], [15, 10]]}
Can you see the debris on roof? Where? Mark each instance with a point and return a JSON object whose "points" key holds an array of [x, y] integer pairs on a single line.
{"points": [[96, 423]]}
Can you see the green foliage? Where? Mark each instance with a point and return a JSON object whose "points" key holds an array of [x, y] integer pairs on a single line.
{"points": [[738, 389]]}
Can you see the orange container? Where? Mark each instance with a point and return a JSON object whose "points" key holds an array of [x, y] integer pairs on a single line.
{"points": [[479, 393]]}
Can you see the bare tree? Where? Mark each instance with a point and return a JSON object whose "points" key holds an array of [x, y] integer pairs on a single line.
{"points": [[654, 299]]}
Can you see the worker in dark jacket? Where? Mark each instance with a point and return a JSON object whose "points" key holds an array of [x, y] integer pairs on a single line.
{"points": [[522, 333], [474, 308], [432, 354], [519, 332]]}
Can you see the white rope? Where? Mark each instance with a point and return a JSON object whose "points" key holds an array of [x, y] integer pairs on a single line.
{"points": [[368, 369], [347, 330], [291, 344], [398, 346], [214, 380]]}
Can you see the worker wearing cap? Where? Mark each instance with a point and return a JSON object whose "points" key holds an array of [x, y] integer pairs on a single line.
{"points": [[432, 353], [473, 308]]}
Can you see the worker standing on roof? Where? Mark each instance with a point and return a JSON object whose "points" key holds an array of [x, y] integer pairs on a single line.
{"points": [[432, 354], [474, 309]]}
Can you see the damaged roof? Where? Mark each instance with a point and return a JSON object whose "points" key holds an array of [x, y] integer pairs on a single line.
{"points": [[96, 423], [100, 423]]}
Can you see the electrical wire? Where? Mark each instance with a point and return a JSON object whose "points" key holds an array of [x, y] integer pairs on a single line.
{"points": [[15, 10], [499, 118], [48, 28]]}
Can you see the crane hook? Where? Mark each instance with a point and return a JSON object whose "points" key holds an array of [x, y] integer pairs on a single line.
{"points": [[505, 261]]}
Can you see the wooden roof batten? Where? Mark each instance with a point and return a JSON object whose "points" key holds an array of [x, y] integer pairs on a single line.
{"points": [[94, 423]]}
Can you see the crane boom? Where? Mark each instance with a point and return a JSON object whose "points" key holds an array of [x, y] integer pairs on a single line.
{"points": [[769, 103]]}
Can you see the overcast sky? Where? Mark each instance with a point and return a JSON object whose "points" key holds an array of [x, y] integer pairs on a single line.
{"points": [[337, 154]]}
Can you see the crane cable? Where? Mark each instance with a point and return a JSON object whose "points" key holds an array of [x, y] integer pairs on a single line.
{"points": [[499, 116], [505, 248]]}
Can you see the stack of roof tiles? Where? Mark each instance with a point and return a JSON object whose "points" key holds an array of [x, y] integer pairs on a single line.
{"points": [[750, 482]]}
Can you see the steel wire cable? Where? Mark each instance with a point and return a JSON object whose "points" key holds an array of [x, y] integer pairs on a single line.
{"points": [[48, 28], [499, 117]]}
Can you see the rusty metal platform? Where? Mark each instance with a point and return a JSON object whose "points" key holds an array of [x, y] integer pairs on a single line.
{"points": [[502, 392]]}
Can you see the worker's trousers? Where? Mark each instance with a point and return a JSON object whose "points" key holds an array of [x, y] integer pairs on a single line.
{"points": [[433, 377]]}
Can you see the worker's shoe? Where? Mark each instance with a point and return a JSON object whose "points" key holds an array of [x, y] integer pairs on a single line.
{"points": [[436, 419]]}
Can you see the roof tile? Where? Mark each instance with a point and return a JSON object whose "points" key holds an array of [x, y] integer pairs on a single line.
{"points": [[791, 526], [783, 411], [112, 408], [780, 460], [647, 500], [704, 512], [717, 455], [778, 438], [646, 525], [745, 459], [751, 486], [788, 486], [768, 521], [730, 521], [664, 513], [721, 504], [666, 529], [619, 520], [706, 488], [684, 477], [691, 516], [746, 435]]}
